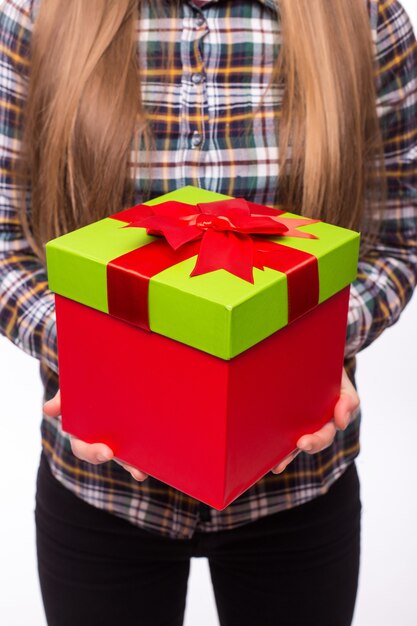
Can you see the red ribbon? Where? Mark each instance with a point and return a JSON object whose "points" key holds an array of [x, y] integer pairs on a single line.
{"points": [[224, 227], [226, 234]]}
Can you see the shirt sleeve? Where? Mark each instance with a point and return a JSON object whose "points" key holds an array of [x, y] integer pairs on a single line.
{"points": [[387, 274], [27, 306]]}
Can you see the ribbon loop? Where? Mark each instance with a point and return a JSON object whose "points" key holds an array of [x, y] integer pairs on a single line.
{"points": [[180, 223], [230, 234]]}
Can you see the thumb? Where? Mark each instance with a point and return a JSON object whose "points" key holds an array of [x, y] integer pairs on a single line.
{"points": [[347, 404], [53, 406]]}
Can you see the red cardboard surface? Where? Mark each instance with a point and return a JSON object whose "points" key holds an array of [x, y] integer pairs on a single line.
{"points": [[206, 426]]}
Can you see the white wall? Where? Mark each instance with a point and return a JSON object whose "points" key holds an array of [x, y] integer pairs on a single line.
{"points": [[387, 377]]}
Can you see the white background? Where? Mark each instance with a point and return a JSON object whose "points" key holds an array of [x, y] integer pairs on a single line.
{"points": [[387, 378]]}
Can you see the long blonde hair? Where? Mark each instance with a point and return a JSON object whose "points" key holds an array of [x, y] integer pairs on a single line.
{"points": [[84, 109]]}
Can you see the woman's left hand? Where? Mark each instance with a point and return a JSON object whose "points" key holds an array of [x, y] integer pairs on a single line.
{"points": [[347, 404]]}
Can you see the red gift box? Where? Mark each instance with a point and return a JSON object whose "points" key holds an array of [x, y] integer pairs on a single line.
{"points": [[206, 425]]}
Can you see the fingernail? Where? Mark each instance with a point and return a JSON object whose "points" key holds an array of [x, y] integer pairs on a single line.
{"points": [[347, 421], [280, 469], [137, 475], [101, 457], [306, 447]]}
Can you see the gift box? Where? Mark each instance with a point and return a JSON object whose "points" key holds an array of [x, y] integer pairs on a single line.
{"points": [[200, 336]]}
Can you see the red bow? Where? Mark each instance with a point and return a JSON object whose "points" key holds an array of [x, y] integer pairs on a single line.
{"points": [[226, 228]]}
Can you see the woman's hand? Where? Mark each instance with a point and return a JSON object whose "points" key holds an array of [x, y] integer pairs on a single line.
{"points": [[347, 404], [91, 452]]}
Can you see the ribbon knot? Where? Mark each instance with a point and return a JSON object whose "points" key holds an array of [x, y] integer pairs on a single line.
{"points": [[231, 232], [217, 222]]}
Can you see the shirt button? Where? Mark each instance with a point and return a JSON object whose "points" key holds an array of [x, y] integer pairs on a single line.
{"points": [[196, 139], [199, 21], [197, 78]]}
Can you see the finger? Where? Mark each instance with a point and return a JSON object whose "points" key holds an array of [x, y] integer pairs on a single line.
{"points": [[343, 412], [91, 452], [278, 469], [53, 406], [137, 474], [347, 404], [133, 471], [319, 440]]}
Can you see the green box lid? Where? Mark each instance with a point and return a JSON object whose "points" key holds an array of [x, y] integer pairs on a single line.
{"points": [[216, 312]]}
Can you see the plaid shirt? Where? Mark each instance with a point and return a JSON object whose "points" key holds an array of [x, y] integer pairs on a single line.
{"points": [[224, 54]]}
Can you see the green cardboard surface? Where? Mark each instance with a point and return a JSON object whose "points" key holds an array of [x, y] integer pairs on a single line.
{"points": [[77, 261], [216, 312], [337, 251]]}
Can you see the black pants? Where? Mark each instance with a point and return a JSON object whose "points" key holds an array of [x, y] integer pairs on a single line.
{"points": [[294, 568]]}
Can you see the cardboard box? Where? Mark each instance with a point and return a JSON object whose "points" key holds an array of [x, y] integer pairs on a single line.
{"points": [[206, 381]]}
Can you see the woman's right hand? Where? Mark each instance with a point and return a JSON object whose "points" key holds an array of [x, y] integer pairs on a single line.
{"points": [[95, 453]]}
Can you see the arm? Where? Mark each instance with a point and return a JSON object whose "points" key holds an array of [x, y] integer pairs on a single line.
{"points": [[27, 308], [387, 274]]}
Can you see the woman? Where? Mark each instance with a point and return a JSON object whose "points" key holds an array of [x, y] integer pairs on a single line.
{"points": [[108, 103]]}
